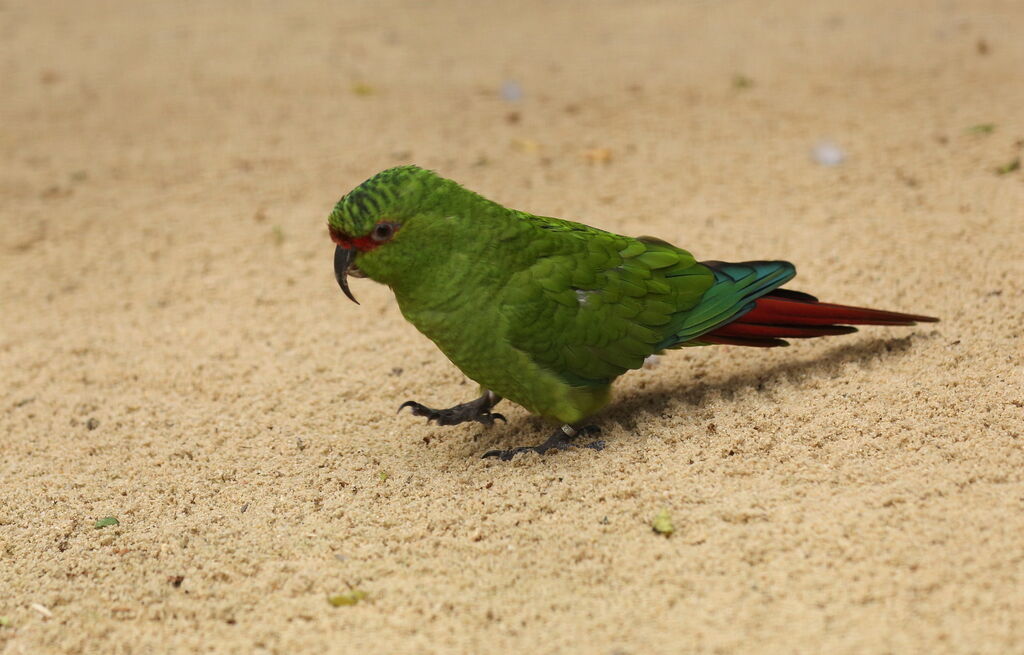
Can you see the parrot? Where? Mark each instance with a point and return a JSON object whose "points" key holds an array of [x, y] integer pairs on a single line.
{"points": [[547, 313]]}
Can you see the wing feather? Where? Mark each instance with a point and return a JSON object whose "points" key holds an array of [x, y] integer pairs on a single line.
{"points": [[594, 304]]}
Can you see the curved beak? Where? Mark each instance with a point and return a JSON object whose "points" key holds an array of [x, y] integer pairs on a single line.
{"points": [[342, 261]]}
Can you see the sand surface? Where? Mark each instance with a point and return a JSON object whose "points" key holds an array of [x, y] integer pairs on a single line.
{"points": [[176, 353]]}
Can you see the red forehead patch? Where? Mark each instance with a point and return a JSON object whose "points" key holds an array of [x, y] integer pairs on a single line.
{"points": [[362, 244]]}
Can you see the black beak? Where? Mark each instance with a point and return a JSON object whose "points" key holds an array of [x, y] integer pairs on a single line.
{"points": [[342, 260]]}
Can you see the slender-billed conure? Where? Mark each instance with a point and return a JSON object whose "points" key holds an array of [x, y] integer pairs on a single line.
{"points": [[548, 313]]}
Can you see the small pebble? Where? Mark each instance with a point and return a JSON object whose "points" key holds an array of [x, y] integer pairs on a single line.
{"points": [[598, 155], [827, 153], [526, 145], [511, 91]]}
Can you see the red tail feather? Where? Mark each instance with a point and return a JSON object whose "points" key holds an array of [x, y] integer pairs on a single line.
{"points": [[794, 315]]}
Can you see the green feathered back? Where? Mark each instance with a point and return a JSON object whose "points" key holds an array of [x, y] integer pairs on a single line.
{"points": [[595, 304]]}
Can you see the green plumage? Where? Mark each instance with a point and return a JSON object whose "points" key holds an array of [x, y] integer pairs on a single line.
{"points": [[542, 311]]}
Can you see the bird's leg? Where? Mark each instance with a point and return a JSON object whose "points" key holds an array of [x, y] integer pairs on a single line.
{"points": [[478, 410], [562, 438]]}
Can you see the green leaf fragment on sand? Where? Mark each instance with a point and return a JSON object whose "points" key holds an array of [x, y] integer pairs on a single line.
{"points": [[383, 476], [363, 89], [104, 522], [742, 82], [982, 128], [662, 523], [1009, 167], [4, 621], [348, 598]]}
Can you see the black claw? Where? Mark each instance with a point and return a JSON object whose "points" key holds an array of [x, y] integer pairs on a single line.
{"points": [[506, 455]]}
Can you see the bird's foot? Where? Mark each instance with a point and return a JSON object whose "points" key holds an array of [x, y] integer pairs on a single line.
{"points": [[478, 410], [562, 439]]}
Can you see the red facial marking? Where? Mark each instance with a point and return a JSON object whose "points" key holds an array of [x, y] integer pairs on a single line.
{"points": [[362, 244]]}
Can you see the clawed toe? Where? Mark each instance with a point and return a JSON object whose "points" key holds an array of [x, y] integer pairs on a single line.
{"points": [[506, 455], [417, 408], [478, 410], [560, 440]]}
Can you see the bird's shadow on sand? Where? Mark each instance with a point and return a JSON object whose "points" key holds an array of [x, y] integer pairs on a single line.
{"points": [[667, 396], [656, 398]]}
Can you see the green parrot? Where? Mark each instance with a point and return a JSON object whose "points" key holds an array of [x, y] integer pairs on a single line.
{"points": [[548, 313]]}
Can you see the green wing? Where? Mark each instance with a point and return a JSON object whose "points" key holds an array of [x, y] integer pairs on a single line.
{"points": [[592, 304]]}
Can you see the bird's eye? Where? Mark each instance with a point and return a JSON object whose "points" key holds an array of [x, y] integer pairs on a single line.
{"points": [[383, 231]]}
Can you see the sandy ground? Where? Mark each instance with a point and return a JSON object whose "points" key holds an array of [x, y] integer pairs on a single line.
{"points": [[176, 353]]}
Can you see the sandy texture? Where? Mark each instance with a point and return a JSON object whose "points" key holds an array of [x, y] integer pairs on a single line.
{"points": [[175, 352]]}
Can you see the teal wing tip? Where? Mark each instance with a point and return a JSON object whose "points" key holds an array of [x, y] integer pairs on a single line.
{"points": [[737, 286]]}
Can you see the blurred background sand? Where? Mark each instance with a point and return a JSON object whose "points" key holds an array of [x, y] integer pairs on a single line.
{"points": [[176, 353]]}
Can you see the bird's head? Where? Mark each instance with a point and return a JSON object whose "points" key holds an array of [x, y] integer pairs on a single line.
{"points": [[370, 224]]}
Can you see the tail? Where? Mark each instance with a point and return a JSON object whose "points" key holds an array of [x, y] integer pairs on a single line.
{"points": [[783, 314]]}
